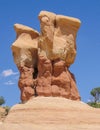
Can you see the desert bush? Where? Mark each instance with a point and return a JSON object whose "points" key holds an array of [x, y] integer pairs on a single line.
{"points": [[2, 100], [94, 104], [7, 108], [95, 92]]}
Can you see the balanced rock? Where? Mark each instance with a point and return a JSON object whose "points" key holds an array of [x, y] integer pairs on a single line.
{"points": [[43, 59]]}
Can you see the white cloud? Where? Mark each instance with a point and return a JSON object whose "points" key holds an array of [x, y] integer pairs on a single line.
{"points": [[9, 83], [8, 72], [88, 100]]}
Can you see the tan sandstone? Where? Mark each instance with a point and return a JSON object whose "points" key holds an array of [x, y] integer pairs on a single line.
{"points": [[3, 113], [52, 113], [43, 59]]}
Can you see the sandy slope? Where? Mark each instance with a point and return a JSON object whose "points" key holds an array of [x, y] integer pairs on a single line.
{"points": [[52, 114]]}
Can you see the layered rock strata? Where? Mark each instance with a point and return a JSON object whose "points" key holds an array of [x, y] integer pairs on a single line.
{"points": [[43, 59], [52, 113]]}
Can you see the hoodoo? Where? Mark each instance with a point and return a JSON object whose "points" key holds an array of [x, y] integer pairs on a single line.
{"points": [[43, 59]]}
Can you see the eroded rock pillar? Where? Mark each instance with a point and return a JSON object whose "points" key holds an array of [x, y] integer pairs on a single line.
{"points": [[44, 59], [25, 51]]}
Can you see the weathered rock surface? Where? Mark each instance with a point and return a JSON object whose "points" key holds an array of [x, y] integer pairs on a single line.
{"points": [[52, 113], [57, 40], [3, 113], [44, 59], [25, 50]]}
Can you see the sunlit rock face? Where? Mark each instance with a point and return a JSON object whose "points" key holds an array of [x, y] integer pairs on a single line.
{"points": [[25, 52], [43, 59]]}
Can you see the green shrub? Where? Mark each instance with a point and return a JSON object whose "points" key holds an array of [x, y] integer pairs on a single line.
{"points": [[93, 104], [7, 108], [2, 101]]}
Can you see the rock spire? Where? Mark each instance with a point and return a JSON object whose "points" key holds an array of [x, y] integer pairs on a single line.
{"points": [[43, 59]]}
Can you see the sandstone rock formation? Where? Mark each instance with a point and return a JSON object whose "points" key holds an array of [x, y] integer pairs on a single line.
{"points": [[52, 113], [43, 59], [3, 113]]}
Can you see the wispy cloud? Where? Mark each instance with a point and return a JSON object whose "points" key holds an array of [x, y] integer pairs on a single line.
{"points": [[8, 72], [9, 83], [88, 100]]}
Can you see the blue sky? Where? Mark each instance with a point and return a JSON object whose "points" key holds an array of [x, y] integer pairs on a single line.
{"points": [[87, 64]]}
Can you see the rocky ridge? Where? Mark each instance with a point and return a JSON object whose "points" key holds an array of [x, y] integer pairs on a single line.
{"points": [[52, 113]]}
